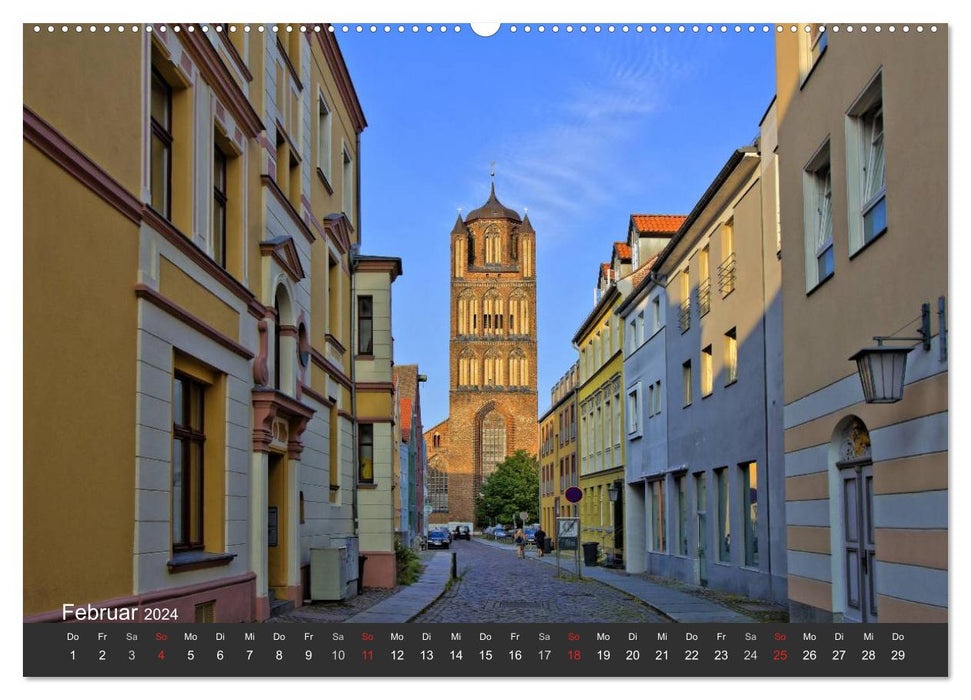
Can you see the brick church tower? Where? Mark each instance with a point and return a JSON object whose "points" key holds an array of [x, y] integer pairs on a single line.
{"points": [[492, 358]]}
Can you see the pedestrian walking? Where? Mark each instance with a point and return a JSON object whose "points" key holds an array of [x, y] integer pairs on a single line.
{"points": [[540, 540], [520, 540]]}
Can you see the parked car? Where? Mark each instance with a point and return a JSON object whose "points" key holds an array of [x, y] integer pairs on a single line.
{"points": [[500, 533], [530, 535], [437, 538], [462, 532]]}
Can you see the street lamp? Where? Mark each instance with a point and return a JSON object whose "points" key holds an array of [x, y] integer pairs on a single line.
{"points": [[613, 492], [883, 368]]}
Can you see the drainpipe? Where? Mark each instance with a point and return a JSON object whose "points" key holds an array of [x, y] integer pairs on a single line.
{"points": [[765, 432], [352, 259]]}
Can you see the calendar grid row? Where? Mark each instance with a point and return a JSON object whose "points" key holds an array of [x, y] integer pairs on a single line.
{"points": [[485, 650]]}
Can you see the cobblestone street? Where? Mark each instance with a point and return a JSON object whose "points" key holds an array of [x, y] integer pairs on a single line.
{"points": [[495, 586]]}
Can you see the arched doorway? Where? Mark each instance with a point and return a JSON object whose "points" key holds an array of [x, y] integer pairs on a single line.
{"points": [[852, 475]]}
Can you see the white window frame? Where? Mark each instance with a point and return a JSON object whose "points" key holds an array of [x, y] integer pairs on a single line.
{"points": [[859, 201], [325, 137], [817, 230], [635, 411], [347, 182]]}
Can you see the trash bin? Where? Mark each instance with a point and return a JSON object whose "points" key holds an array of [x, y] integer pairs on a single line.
{"points": [[360, 573], [547, 545], [590, 553]]}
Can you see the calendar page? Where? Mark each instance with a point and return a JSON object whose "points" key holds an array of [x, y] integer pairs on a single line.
{"points": [[524, 349]]}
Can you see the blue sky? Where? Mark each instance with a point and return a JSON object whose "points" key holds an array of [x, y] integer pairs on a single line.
{"points": [[585, 129]]}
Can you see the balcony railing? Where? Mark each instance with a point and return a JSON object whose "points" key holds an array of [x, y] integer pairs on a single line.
{"points": [[704, 298], [684, 315], [726, 276]]}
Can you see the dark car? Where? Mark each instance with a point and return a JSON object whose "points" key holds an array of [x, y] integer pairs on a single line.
{"points": [[437, 538], [462, 532], [530, 535]]}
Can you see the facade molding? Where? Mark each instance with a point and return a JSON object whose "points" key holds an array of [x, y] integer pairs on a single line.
{"points": [[323, 363], [215, 73], [335, 61], [148, 294], [288, 207], [58, 148], [284, 251]]}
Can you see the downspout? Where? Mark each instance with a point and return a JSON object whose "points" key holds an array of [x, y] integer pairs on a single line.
{"points": [[765, 384], [352, 258]]}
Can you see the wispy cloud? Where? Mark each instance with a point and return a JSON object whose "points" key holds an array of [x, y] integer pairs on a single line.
{"points": [[573, 159]]}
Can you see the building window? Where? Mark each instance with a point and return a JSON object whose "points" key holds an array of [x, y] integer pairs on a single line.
{"points": [[365, 325], [679, 485], [731, 357], [333, 297], [684, 311], [686, 383], [818, 198], [650, 401], [724, 515], [874, 175], [347, 186], [323, 138], [750, 511], [655, 314], [219, 201], [365, 460], [704, 283], [866, 168], [812, 44], [188, 445], [161, 159], [493, 441], [726, 270], [657, 516], [657, 397], [701, 513], [706, 372], [634, 410], [639, 339], [438, 488]]}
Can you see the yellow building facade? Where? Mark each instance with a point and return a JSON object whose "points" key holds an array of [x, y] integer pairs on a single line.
{"points": [[601, 420], [207, 201], [557, 452]]}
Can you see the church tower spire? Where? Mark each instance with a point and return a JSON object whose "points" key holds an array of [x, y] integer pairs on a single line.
{"points": [[492, 355]]}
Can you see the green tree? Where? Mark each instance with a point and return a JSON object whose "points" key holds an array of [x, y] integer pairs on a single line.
{"points": [[512, 488]]}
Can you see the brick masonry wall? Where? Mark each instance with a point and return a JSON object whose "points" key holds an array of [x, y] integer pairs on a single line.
{"points": [[458, 436]]}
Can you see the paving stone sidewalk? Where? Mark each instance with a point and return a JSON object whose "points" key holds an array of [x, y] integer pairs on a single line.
{"points": [[675, 604], [408, 603]]}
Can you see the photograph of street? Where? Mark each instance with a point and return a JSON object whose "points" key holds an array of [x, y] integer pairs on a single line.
{"points": [[518, 323]]}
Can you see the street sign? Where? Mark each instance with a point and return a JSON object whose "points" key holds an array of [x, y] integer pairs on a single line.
{"points": [[523, 514], [573, 494], [567, 533]]}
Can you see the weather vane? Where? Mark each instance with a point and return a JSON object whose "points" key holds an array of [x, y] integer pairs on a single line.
{"points": [[492, 170]]}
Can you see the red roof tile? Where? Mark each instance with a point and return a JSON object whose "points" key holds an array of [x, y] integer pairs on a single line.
{"points": [[405, 416], [657, 223], [623, 250]]}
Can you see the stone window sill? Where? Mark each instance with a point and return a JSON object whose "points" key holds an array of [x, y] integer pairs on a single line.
{"points": [[190, 561]]}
